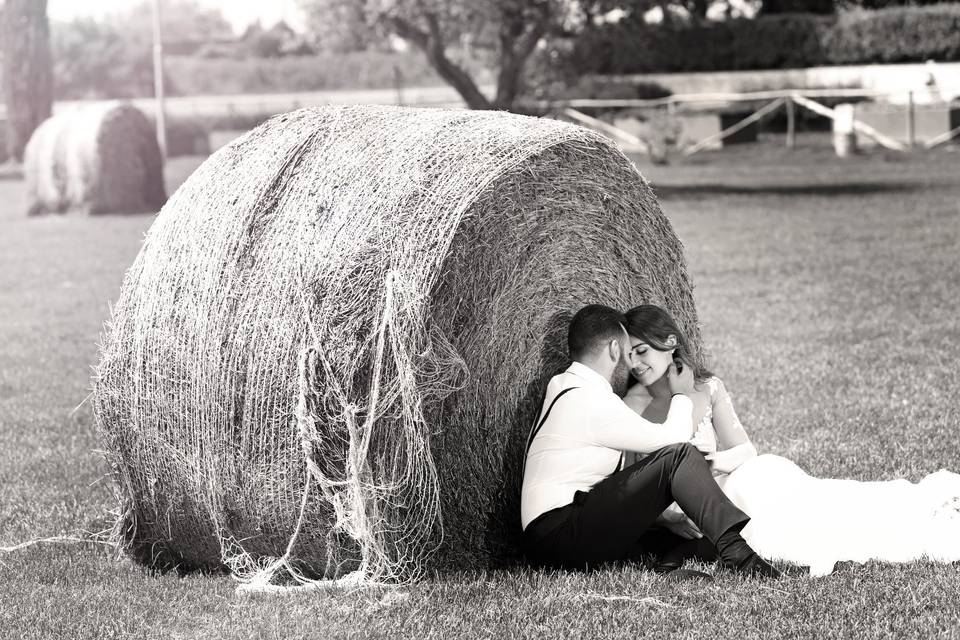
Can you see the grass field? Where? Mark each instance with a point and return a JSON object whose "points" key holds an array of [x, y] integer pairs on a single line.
{"points": [[828, 292]]}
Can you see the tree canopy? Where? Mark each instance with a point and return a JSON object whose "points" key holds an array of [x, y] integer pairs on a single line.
{"points": [[504, 32], [111, 57]]}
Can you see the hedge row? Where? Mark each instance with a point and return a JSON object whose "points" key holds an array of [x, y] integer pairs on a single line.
{"points": [[786, 41], [322, 72]]}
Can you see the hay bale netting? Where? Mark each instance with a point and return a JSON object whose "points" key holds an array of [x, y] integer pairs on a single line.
{"points": [[396, 274], [96, 159]]}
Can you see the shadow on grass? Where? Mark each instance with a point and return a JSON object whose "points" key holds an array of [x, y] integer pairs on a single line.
{"points": [[670, 191]]}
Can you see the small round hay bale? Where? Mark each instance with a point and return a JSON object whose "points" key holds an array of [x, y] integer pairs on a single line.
{"points": [[341, 325], [96, 159]]}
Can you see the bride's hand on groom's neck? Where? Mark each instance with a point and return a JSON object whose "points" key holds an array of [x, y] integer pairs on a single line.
{"points": [[680, 382]]}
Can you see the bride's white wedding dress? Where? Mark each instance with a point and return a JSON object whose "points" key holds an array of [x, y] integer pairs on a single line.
{"points": [[817, 522]]}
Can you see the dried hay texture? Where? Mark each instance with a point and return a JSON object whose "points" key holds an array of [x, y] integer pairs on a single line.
{"points": [[339, 329], [96, 159]]}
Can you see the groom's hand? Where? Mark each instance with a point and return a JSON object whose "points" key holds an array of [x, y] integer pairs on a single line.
{"points": [[684, 528], [680, 382], [676, 521]]}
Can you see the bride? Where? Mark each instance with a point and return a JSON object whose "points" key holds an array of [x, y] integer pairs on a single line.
{"points": [[794, 517]]}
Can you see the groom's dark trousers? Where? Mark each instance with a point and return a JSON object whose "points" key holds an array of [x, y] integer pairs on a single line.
{"points": [[612, 521]]}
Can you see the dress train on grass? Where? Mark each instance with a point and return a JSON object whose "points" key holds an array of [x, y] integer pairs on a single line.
{"points": [[817, 522]]}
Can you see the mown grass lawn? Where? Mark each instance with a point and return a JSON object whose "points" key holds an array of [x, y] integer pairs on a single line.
{"points": [[828, 292]]}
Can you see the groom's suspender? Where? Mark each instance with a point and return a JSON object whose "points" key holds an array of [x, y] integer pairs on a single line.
{"points": [[536, 429]]}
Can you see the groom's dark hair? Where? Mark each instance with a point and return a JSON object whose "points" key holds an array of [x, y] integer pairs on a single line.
{"points": [[593, 326]]}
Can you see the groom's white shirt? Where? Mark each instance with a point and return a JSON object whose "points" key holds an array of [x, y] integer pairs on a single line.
{"points": [[582, 440]]}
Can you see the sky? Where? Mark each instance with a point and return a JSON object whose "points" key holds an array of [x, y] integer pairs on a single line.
{"points": [[239, 13]]}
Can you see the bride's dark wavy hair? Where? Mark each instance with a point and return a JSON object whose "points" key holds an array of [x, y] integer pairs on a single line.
{"points": [[653, 325]]}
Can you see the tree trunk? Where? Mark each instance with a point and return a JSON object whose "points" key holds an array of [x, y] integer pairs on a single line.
{"points": [[699, 9], [518, 39], [457, 78], [27, 69], [520, 31], [667, 14], [431, 43]]}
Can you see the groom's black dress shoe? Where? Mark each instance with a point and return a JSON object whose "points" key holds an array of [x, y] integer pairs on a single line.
{"points": [[736, 555], [671, 566], [756, 567]]}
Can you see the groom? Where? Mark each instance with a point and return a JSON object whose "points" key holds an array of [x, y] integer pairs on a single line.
{"points": [[578, 508]]}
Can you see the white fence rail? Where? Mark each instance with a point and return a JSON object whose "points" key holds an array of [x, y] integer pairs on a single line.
{"points": [[270, 103], [764, 103], [770, 102]]}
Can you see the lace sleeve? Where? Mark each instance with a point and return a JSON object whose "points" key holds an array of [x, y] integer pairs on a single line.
{"points": [[730, 432]]}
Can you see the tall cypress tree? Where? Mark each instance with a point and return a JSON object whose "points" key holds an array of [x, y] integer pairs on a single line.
{"points": [[27, 69]]}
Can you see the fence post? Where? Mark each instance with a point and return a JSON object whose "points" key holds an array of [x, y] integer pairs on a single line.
{"points": [[791, 124], [158, 80], [911, 121], [844, 136], [398, 84]]}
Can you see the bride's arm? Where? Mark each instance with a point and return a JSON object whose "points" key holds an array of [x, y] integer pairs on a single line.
{"points": [[733, 445], [637, 399]]}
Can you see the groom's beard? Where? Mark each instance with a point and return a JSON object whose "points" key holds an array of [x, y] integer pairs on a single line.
{"points": [[620, 378]]}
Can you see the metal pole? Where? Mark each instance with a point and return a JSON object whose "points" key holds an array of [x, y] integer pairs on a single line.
{"points": [[791, 124], [911, 121], [158, 79]]}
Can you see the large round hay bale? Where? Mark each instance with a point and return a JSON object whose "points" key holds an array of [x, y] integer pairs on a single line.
{"points": [[372, 298], [96, 159]]}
